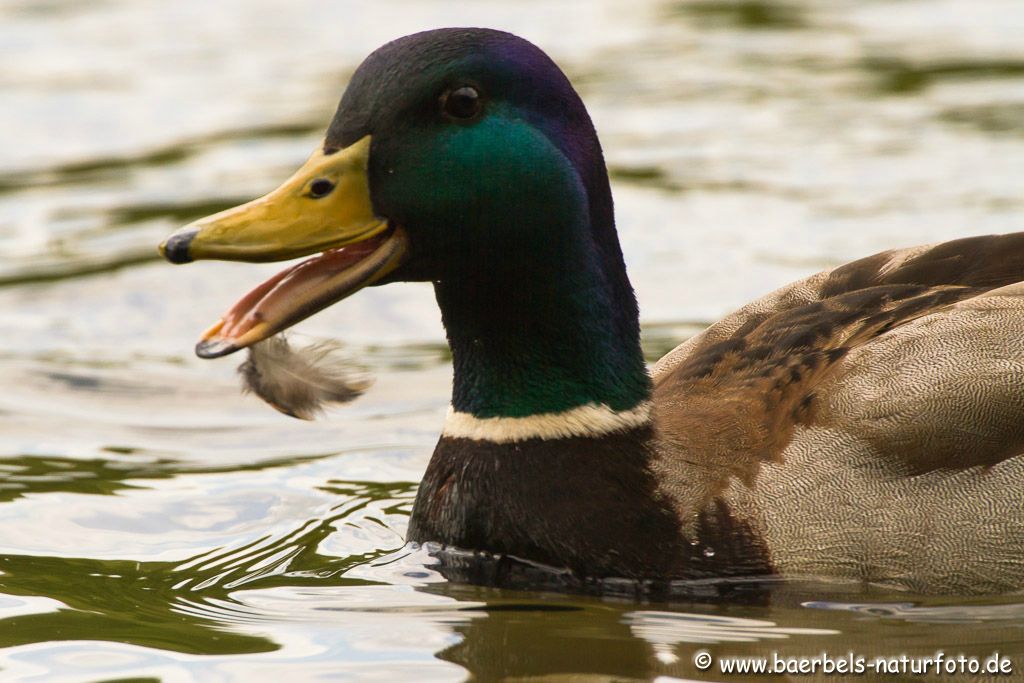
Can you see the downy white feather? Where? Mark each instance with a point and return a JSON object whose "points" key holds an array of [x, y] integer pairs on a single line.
{"points": [[300, 381]]}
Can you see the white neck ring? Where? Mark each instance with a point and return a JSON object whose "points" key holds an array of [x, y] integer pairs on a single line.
{"points": [[589, 420]]}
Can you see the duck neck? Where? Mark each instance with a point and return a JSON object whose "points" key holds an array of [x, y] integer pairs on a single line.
{"points": [[556, 335]]}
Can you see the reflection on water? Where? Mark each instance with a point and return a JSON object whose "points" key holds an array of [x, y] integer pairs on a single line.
{"points": [[155, 524]]}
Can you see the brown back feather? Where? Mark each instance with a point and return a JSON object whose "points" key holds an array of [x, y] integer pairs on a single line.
{"points": [[732, 396]]}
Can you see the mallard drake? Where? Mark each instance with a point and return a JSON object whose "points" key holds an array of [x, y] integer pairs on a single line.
{"points": [[866, 422]]}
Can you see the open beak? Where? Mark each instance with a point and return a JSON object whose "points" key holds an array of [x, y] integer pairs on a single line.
{"points": [[324, 207]]}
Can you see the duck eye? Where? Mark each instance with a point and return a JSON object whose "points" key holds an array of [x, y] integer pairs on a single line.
{"points": [[321, 187], [462, 103]]}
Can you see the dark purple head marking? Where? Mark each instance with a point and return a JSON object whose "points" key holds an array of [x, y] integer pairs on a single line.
{"points": [[399, 84]]}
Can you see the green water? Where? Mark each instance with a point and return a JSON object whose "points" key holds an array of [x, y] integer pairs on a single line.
{"points": [[155, 524]]}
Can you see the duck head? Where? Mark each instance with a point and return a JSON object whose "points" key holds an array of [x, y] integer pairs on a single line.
{"points": [[458, 156]]}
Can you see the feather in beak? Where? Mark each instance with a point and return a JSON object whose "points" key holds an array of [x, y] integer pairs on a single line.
{"points": [[300, 381]]}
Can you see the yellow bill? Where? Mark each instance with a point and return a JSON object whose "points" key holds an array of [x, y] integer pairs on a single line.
{"points": [[324, 207]]}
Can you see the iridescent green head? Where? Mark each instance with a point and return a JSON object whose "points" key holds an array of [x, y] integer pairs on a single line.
{"points": [[480, 171], [480, 146]]}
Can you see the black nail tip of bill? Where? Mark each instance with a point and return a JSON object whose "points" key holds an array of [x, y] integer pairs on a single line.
{"points": [[215, 348], [176, 248]]}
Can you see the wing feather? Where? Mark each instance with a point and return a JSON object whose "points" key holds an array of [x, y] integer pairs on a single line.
{"points": [[921, 350]]}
